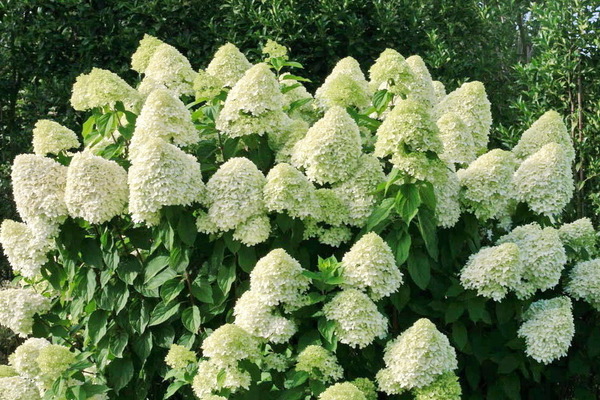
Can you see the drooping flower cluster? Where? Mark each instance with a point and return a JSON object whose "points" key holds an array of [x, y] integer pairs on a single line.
{"points": [[357, 320], [416, 358], [25, 252], [50, 137], [342, 391], [370, 266], [168, 68], [102, 88], [548, 329], [345, 86], [320, 364], [17, 308], [584, 282], [579, 235], [179, 357]]}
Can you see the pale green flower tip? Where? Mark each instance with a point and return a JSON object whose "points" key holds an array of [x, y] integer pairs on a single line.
{"points": [[445, 387], [102, 88], [7, 371], [179, 357], [229, 64], [342, 391], [320, 364], [275, 50], [549, 128], [145, 50], [367, 387], [50, 137], [229, 344], [390, 71]]}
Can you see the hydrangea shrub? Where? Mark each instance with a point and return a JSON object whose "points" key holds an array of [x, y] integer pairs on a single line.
{"points": [[223, 233]]}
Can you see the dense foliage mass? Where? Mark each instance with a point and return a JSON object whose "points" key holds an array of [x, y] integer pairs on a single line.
{"points": [[225, 234]]}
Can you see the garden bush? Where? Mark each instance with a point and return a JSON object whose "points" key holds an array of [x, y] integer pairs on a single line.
{"points": [[226, 234]]}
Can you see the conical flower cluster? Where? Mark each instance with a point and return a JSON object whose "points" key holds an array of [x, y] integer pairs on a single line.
{"points": [[342, 391], [102, 88], [420, 87], [17, 308], [50, 137], [584, 282], [457, 140], [229, 344], [345, 86], [25, 252], [168, 68], [579, 236], [288, 190], [145, 50], [320, 364], [390, 71], [228, 65]]}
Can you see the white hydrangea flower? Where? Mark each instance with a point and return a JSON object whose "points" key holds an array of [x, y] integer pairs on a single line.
{"points": [[330, 151], [345, 86], [207, 86], [470, 102], [204, 224], [102, 88], [52, 361], [288, 190], [24, 358], [446, 387], [254, 105], [543, 257], [25, 252], [229, 64], [367, 386], [419, 165], [50, 137], [545, 181], [420, 87], [549, 128], [305, 112], [416, 358], [229, 344], [409, 124], [390, 71], [357, 320], [446, 189], [459, 147], [282, 141], [342, 391], [277, 362], [584, 282], [439, 90], [96, 188], [145, 50], [278, 279], [235, 193], [212, 377], [370, 266], [253, 231], [17, 308], [329, 208], [334, 236], [165, 116], [493, 271], [169, 68], [259, 319], [579, 235], [320, 364], [488, 190], [179, 357], [18, 388], [548, 329], [161, 175]]}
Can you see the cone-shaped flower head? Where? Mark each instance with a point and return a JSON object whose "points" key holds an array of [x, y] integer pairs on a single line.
{"points": [[102, 88], [282, 142], [261, 320], [17, 308], [53, 360], [330, 151], [235, 193], [545, 181], [579, 236], [420, 87], [169, 68], [254, 105], [446, 189], [487, 184], [161, 175], [18, 388], [342, 391], [288, 190], [50, 137], [96, 188], [346, 86], [207, 86], [408, 125], [390, 71], [179, 357], [416, 358], [543, 257], [439, 90], [370, 266], [470, 102], [253, 231], [278, 279], [548, 329], [229, 344], [274, 49], [212, 377], [493, 271], [446, 387], [306, 111], [457, 139], [357, 320], [334, 236], [165, 116], [24, 358], [145, 51], [25, 252], [331, 208], [584, 282], [320, 364], [549, 128], [366, 386], [228, 64]]}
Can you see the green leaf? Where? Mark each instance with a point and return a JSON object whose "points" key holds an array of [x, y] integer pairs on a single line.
{"points": [[96, 326], [427, 195], [403, 247], [118, 342], [139, 315], [428, 229], [459, 335], [453, 312], [419, 269], [298, 103], [246, 257], [129, 270], [120, 372], [407, 202], [186, 229], [142, 346], [202, 290], [154, 266], [191, 319], [91, 253], [174, 388], [508, 364], [226, 277], [380, 213], [295, 78], [511, 386], [171, 289], [327, 329], [161, 278], [162, 312]]}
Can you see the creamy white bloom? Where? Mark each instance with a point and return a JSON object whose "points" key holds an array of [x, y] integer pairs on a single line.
{"points": [[206, 85], [416, 358], [161, 175], [418, 165], [579, 235], [229, 64], [212, 377], [345, 86], [169, 68], [446, 189], [259, 319], [390, 71], [254, 230], [445, 387], [306, 111], [145, 50], [165, 116], [235, 193], [96, 188], [330, 151], [543, 257], [320, 364], [488, 190], [24, 358], [179, 357], [288, 190], [17, 308], [52, 361], [277, 362], [330, 208], [357, 320], [459, 147], [370, 266], [18, 388], [439, 90], [25, 252], [102, 88], [584, 282], [282, 141], [334, 236], [420, 87], [342, 391], [229, 344], [493, 271], [545, 181], [50, 137], [548, 329]]}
